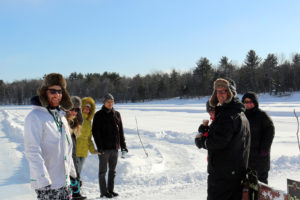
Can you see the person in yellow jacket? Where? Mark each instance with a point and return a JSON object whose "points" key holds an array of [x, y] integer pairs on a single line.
{"points": [[84, 141]]}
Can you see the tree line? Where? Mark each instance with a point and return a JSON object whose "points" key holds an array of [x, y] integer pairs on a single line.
{"points": [[255, 74]]}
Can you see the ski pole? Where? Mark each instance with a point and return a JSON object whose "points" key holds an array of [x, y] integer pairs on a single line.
{"points": [[297, 128], [137, 129]]}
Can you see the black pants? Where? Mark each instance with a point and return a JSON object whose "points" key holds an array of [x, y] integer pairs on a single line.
{"points": [[220, 188], [110, 158]]}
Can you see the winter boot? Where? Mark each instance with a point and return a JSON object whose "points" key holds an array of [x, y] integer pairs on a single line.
{"points": [[114, 194], [107, 195], [78, 196]]}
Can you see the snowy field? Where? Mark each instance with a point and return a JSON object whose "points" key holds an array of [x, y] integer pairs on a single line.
{"points": [[175, 168]]}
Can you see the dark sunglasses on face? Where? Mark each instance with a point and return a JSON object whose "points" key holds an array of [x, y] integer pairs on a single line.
{"points": [[221, 91], [54, 91], [245, 102], [75, 109]]}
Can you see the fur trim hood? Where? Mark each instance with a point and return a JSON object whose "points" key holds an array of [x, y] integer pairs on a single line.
{"points": [[89, 101], [229, 85], [50, 80]]}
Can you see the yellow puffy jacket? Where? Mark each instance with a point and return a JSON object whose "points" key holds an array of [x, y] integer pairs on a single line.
{"points": [[84, 141]]}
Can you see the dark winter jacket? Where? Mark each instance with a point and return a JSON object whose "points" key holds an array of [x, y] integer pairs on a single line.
{"points": [[107, 130], [74, 157], [73, 124], [228, 141], [262, 134]]}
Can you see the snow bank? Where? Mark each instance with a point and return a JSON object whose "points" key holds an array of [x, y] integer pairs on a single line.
{"points": [[175, 168]]}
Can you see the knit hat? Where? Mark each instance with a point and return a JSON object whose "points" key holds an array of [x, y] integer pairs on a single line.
{"points": [[51, 80], [253, 97], [88, 105], [107, 97], [229, 85]]}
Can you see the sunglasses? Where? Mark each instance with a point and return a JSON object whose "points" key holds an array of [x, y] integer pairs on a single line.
{"points": [[75, 109], [221, 91], [54, 91], [246, 102]]}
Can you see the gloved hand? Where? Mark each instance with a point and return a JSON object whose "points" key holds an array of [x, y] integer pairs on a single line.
{"points": [[100, 152], [202, 136], [200, 142], [203, 129], [124, 152]]}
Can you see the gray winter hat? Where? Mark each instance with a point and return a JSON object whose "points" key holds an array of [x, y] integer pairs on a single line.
{"points": [[76, 101], [107, 97]]}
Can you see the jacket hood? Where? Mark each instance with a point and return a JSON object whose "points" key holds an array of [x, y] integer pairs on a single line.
{"points": [[253, 97], [89, 100]]}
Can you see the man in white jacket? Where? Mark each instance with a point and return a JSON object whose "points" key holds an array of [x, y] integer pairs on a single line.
{"points": [[48, 143]]}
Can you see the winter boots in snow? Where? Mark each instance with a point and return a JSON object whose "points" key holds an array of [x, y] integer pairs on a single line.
{"points": [[78, 196]]}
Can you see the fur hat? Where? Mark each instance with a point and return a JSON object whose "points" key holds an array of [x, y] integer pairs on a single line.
{"points": [[229, 85], [76, 101], [107, 97], [75, 123], [51, 80], [252, 96], [77, 104]]}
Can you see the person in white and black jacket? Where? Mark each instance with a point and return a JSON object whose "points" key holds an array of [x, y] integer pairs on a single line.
{"points": [[108, 133], [47, 140], [262, 134]]}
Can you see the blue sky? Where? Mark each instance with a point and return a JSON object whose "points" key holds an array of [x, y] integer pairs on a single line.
{"points": [[139, 36]]}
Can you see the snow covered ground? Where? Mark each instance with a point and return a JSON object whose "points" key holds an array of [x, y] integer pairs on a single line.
{"points": [[175, 168]]}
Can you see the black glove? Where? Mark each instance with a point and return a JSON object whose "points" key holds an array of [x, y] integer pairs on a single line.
{"points": [[200, 142], [203, 129], [124, 149]]}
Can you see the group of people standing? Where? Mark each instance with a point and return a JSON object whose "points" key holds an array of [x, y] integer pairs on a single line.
{"points": [[58, 131], [57, 139], [239, 138]]}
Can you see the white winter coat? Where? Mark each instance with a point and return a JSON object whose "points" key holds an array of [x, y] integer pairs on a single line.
{"points": [[48, 152]]}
